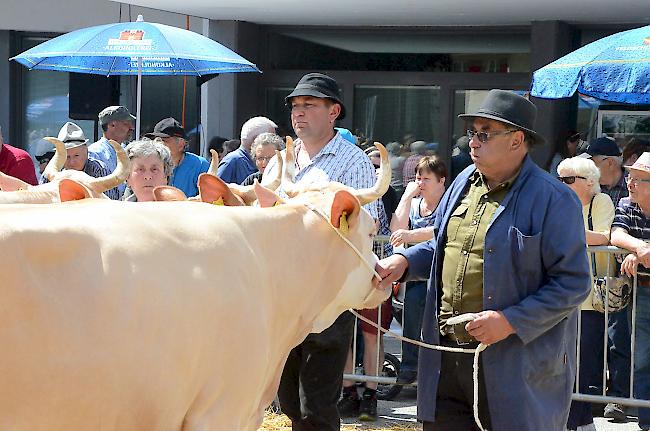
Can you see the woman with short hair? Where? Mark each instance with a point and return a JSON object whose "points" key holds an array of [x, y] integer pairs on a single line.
{"points": [[582, 176], [151, 166], [262, 151]]}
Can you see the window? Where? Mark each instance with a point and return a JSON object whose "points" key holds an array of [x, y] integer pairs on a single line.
{"points": [[397, 113]]}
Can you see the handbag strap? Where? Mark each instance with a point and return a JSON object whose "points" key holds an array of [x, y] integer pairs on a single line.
{"points": [[590, 226]]}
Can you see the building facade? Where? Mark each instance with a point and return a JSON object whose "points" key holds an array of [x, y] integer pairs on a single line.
{"points": [[399, 82]]}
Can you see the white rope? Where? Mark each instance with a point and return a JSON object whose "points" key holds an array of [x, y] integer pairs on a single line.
{"points": [[452, 321], [476, 352]]}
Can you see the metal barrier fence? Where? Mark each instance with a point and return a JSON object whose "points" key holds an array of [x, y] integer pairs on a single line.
{"points": [[387, 369]]}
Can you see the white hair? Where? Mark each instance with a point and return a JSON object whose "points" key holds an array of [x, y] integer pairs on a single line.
{"points": [[582, 167], [146, 147], [254, 127], [264, 139]]}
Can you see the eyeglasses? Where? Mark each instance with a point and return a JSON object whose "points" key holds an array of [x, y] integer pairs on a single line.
{"points": [[574, 138], [263, 159], [571, 179], [483, 137], [635, 181]]}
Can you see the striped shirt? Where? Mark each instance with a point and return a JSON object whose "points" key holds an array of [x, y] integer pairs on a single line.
{"points": [[340, 161], [102, 151], [629, 216]]}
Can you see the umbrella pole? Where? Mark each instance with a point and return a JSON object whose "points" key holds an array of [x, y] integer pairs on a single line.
{"points": [[138, 100]]}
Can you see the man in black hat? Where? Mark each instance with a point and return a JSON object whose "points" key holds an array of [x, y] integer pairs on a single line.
{"points": [[187, 166], [312, 378], [508, 255]]}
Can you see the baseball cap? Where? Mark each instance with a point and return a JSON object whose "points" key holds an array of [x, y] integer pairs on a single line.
{"points": [[115, 113], [602, 146], [166, 128]]}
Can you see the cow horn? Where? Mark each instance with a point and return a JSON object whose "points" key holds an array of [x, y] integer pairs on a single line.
{"points": [[214, 162], [119, 175], [278, 179], [58, 160], [247, 193], [366, 196], [289, 171]]}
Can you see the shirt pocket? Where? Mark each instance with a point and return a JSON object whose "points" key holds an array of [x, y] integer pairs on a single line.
{"points": [[455, 220]]}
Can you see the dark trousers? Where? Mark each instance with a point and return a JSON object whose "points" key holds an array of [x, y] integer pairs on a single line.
{"points": [[455, 397], [414, 300], [592, 331], [618, 359], [312, 377]]}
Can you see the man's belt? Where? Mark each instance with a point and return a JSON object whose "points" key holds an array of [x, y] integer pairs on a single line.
{"points": [[451, 338]]}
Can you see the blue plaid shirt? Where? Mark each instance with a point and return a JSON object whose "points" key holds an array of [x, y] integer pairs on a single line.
{"points": [[102, 151]]}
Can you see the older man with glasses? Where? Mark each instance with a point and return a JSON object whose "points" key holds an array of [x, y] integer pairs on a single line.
{"points": [[631, 231], [509, 254]]}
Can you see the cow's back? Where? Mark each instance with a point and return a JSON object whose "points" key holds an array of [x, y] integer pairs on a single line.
{"points": [[114, 315]]}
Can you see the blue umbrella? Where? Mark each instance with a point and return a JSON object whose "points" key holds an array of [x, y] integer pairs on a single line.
{"points": [[615, 68], [135, 48]]}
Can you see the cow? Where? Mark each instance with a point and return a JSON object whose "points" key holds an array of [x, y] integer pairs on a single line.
{"points": [[17, 191], [214, 190], [172, 315]]}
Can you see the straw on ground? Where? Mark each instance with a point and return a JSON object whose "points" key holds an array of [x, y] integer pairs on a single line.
{"points": [[276, 422]]}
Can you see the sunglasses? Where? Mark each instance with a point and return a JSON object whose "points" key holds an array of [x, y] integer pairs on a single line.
{"points": [[483, 137], [571, 179]]}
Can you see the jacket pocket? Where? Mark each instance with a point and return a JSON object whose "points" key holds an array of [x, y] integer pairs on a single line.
{"points": [[525, 249]]}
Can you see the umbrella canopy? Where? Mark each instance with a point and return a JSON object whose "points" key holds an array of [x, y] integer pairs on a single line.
{"points": [[135, 48], [615, 68]]}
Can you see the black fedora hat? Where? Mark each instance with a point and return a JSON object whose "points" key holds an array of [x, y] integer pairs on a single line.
{"points": [[318, 85], [509, 108]]}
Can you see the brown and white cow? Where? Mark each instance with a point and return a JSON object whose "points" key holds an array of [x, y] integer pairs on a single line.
{"points": [[172, 315], [17, 191]]}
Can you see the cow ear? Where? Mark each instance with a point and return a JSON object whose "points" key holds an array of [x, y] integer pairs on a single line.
{"points": [[168, 193], [345, 210], [70, 190], [214, 191], [266, 197]]}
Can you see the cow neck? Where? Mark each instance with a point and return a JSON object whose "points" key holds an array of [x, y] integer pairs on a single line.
{"points": [[347, 241]]}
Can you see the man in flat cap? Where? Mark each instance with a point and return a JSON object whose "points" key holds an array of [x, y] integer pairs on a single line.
{"points": [[509, 253], [187, 166], [117, 124]]}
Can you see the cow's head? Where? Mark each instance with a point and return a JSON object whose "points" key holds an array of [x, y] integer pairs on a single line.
{"points": [[340, 207]]}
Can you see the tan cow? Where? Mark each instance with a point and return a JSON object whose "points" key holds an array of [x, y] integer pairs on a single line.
{"points": [[17, 191], [173, 315], [214, 190]]}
